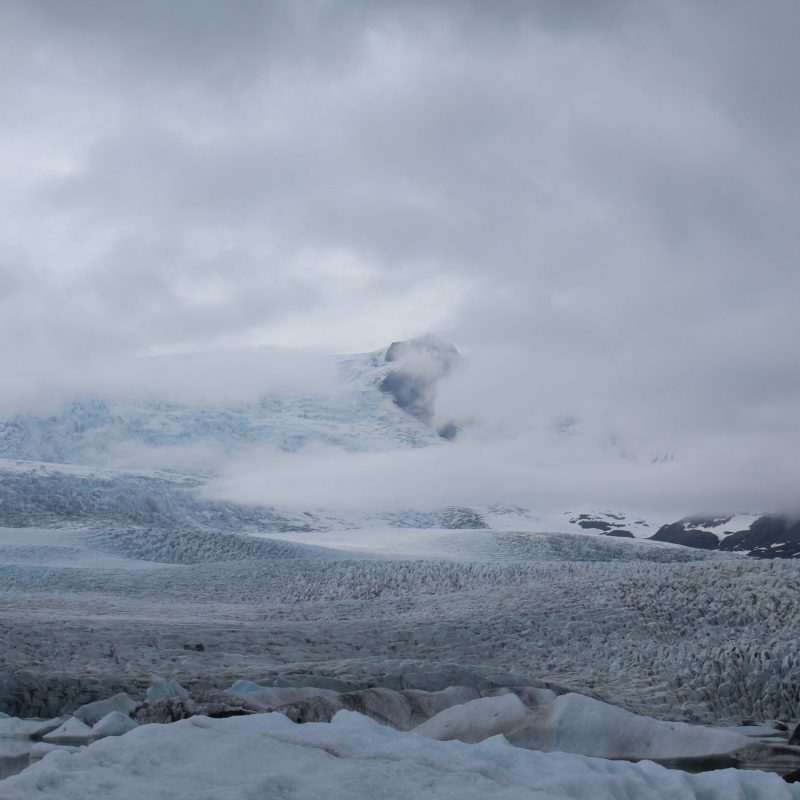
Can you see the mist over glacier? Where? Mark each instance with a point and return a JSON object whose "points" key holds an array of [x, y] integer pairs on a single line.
{"points": [[550, 442], [399, 399]]}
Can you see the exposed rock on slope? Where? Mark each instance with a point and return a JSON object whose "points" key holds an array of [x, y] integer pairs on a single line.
{"points": [[760, 535], [417, 365]]}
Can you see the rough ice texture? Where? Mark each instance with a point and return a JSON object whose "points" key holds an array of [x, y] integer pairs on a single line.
{"points": [[352, 414], [715, 638], [266, 755], [115, 503]]}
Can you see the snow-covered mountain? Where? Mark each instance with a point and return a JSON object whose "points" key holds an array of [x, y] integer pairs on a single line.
{"points": [[140, 459], [143, 460], [352, 414]]}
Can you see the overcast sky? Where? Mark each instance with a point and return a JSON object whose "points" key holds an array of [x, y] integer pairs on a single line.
{"points": [[596, 201]]}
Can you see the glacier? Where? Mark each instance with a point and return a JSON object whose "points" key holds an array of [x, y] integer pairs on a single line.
{"points": [[117, 564]]}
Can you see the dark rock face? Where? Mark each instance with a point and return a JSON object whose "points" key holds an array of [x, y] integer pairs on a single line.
{"points": [[448, 431], [412, 393], [594, 524], [419, 364], [795, 737], [770, 536], [606, 522], [430, 347], [678, 533], [792, 777]]}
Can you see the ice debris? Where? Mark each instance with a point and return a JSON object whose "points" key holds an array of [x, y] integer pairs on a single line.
{"points": [[115, 723], [73, 730], [91, 712], [266, 755], [162, 689]]}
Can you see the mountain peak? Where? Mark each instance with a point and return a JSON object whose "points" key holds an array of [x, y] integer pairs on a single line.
{"points": [[427, 347], [417, 365]]}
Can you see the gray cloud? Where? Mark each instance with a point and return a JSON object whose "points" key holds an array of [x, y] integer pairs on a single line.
{"points": [[598, 202]]}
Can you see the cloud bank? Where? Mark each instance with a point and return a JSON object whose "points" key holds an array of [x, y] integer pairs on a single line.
{"points": [[597, 202]]}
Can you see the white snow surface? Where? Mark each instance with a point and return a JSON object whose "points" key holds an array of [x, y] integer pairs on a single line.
{"points": [[266, 755], [737, 522]]}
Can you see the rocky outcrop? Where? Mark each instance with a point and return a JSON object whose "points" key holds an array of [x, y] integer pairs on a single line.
{"points": [[765, 536], [769, 536], [417, 365], [679, 533]]}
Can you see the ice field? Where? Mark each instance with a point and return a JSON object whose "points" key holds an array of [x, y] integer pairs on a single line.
{"points": [[656, 629]]}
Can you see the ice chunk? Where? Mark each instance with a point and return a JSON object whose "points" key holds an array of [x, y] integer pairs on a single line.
{"points": [[41, 749], [425, 705], [573, 723], [28, 728], [270, 697], [115, 723], [91, 712], [73, 730], [162, 689], [245, 687], [476, 720]]}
